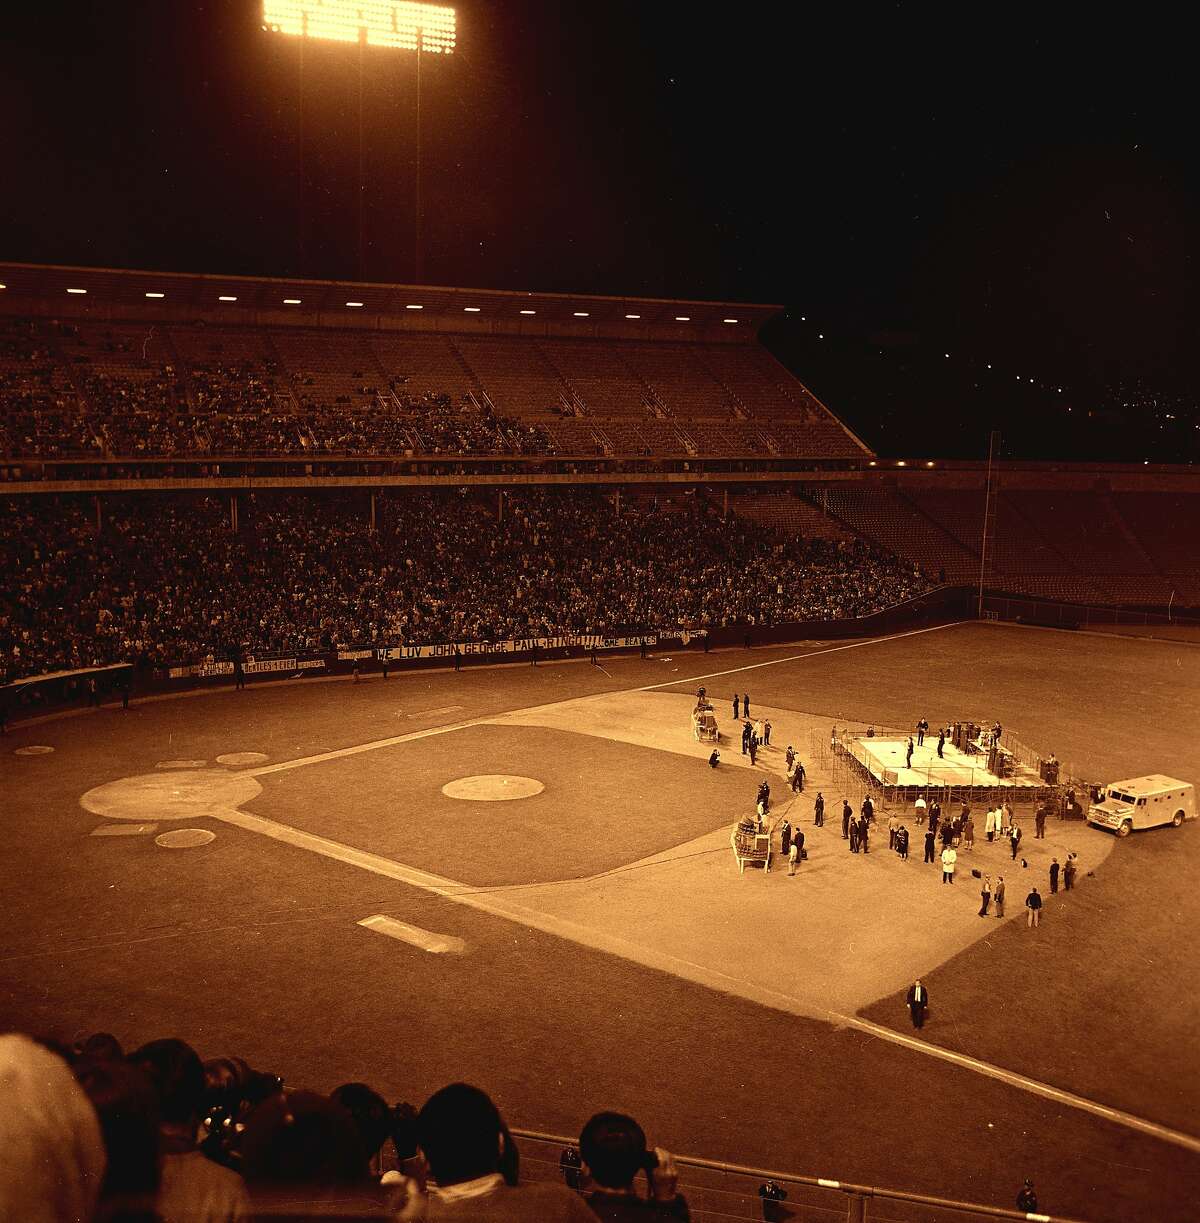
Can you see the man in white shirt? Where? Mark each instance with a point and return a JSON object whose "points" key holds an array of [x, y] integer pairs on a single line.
{"points": [[949, 858]]}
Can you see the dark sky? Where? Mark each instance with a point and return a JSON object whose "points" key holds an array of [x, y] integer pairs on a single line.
{"points": [[911, 179]]}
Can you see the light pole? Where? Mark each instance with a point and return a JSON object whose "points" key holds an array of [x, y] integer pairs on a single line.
{"points": [[400, 24]]}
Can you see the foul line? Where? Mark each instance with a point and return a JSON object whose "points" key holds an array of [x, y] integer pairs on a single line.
{"points": [[1025, 1084], [498, 719], [499, 906]]}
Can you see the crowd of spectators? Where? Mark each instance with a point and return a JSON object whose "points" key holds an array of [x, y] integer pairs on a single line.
{"points": [[164, 579], [93, 1135], [39, 412], [122, 404]]}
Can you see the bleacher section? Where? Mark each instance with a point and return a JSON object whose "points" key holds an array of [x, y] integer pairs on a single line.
{"points": [[784, 511], [883, 515]]}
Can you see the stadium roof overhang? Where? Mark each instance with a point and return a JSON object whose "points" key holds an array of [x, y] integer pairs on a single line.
{"points": [[119, 293]]}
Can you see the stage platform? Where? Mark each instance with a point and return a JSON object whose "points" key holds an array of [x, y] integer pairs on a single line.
{"points": [[881, 760]]}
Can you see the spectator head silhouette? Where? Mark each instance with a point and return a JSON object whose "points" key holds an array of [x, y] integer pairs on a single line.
{"points": [[613, 1147], [301, 1138], [177, 1073], [127, 1108], [463, 1137], [54, 1159], [370, 1112]]}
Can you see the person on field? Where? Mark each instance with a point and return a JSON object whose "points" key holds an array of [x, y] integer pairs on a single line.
{"points": [[998, 896], [918, 1003], [985, 895], [1033, 906], [735, 706], [864, 835], [847, 816], [930, 845], [785, 838], [819, 810], [949, 858], [1054, 871], [902, 842], [921, 810]]}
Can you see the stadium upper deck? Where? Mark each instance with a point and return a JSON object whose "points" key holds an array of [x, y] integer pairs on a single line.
{"points": [[135, 364]]}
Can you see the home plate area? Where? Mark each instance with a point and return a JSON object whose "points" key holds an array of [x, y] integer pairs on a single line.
{"points": [[604, 817]]}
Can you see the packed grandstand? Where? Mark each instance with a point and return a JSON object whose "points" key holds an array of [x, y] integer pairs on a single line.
{"points": [[619, 467]]}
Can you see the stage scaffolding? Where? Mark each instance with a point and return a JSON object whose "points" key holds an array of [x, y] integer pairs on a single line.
{"points": [[852, 777]]}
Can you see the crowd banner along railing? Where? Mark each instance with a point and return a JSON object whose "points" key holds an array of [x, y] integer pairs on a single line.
{"points": [[855, 1198]]}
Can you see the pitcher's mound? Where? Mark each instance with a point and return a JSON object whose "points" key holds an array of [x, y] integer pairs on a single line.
{"points": [[492, 788]]}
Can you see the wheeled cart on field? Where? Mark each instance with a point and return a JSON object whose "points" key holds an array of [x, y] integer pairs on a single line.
{"points": [[704, 724], [751, 842]]}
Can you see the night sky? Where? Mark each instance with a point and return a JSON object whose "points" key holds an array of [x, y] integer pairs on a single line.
{"points": [[911, 180]]}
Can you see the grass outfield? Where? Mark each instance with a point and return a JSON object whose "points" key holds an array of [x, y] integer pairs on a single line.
{"points": [[252, 947]]}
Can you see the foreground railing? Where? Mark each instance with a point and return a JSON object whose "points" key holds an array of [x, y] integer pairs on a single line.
{"points": [[857, 1203]]}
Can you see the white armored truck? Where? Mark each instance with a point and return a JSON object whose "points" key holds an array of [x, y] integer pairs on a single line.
{"points": [[1144, 802]]}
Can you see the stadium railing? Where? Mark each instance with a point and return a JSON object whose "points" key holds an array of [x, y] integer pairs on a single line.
{"points": [[716, 1189]]}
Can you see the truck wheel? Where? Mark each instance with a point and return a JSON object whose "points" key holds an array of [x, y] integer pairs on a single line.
{"points": [[1177, 819], [1125, 829]]}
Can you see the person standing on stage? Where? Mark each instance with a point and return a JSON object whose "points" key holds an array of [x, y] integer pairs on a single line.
{"points": [[908, 753], [941, 743], [922, 727]]}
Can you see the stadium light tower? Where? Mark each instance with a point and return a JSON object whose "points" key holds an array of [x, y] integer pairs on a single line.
{"points": [[399, 24]]}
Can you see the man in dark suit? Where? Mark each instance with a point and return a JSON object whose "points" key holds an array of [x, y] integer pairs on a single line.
{"points": [[918, 1003], [847, 816], [922, 727], [735, 706]]}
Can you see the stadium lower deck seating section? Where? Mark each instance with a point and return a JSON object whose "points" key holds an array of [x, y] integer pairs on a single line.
{"points": [[139, 390], [165, 580]]}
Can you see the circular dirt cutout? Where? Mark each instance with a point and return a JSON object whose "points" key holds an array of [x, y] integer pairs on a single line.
{"points": [[185, 794], [492, 788], [235, 758], [34, 749], [184, 838]]}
